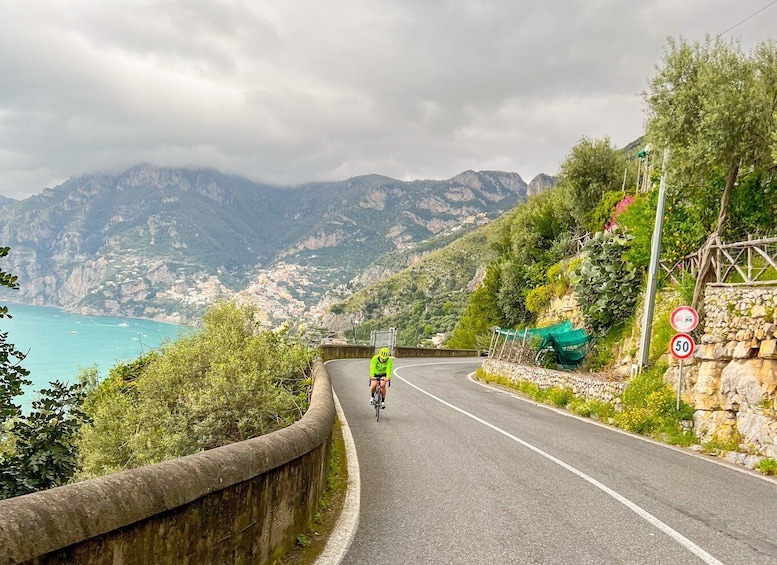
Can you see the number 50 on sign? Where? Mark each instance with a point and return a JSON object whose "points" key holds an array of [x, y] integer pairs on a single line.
{"points": [[682, 346]]}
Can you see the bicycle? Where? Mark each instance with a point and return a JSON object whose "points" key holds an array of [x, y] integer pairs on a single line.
{"points": [[377, 397]]}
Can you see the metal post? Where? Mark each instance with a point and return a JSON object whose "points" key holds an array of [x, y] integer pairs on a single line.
{"points": [[679, 384], [512, 346], [504, 343], [655, 254], [491, 345]]}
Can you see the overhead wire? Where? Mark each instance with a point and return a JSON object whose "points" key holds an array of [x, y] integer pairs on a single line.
{"points": [[747, 18]]}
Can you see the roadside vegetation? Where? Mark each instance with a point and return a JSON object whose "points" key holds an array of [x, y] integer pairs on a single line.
{"points": [[648, 407], [714, 107], [229, 382]]}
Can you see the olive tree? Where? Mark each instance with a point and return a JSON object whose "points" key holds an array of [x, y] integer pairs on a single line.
{"points": [[593, 168], [713, 106]]}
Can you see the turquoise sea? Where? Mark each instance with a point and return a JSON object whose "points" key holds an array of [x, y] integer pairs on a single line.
{"points": [[58, 344]]}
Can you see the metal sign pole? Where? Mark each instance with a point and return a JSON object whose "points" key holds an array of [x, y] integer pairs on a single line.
{"points": [[655, 254], [679, 384]]}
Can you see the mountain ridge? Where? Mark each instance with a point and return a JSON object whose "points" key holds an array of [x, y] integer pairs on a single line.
{"points": [[162, 242]]}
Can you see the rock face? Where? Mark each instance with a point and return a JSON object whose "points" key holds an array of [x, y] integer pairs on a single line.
{"points": [[732, 382]]}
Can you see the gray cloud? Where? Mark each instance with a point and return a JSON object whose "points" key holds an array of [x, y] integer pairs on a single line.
{"points": [[291, 91]]}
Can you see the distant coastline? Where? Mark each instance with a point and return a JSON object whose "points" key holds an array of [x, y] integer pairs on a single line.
{"points": [[6, 298]]}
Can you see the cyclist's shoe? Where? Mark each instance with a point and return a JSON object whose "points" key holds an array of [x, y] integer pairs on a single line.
{"points": [[372, 401], [382, 404]]}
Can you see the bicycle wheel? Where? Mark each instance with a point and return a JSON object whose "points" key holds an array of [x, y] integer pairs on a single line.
{"points": [[378, 400]]}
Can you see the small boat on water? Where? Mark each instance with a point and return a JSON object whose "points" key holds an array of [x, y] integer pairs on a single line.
{"points": [[123, 324], [73, 332]]}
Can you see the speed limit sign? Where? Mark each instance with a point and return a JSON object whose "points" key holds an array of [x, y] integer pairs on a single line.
{"points": [[682, 346]]}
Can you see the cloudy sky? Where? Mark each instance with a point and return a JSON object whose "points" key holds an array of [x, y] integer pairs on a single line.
{"points": [[291, 91]]}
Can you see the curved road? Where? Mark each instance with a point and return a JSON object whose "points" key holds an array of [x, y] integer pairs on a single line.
{"points": [[456, 472]]}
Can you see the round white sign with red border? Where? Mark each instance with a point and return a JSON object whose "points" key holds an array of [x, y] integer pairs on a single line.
{"points": [[684, 319], [682, 346]]}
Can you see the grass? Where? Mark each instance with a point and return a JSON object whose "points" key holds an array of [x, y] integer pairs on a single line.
{"points": [[767, 466], [649, 405], [559, 397], [718, 445], [311, 543]]}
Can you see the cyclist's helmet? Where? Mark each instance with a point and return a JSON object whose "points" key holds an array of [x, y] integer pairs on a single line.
{"points": [[383, 354]]}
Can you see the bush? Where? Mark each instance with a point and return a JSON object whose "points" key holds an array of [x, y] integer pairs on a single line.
{"points": [[606, 284], [559, 397], [767, 466], [230, 382], [538, 299], [649, 408], [601, 217]]}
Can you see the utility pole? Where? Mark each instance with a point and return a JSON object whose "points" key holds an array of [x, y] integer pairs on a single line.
{"points": [[655, 254]]}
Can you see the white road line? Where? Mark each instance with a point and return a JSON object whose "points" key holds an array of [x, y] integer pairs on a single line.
{"points": [[641, 512], [348, 521], [591, 422]]}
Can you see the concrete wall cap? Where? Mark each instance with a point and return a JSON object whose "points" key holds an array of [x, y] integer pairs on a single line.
{"points": [[72, 513]]}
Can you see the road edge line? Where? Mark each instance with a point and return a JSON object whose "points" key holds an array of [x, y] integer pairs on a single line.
{"points": [[689, 545], [347, 523]]}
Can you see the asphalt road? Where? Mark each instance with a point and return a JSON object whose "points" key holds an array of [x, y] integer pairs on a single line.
{"points": [[456, 472]]}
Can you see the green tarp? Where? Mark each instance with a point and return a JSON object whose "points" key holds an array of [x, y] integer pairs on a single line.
{"points": [[543, 333], [571, 347], [569, 344]]}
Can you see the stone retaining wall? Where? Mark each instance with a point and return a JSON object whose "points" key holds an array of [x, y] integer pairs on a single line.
{"points": [[434, 352], [241, 503], [366, 351], [329, 352], [732, 380], [590, 387]]}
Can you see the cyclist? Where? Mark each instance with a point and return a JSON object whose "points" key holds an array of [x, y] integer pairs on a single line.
{"points": [[381, 365]]}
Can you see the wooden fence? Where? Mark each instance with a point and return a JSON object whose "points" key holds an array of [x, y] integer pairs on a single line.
{"points": [[751, 260]]}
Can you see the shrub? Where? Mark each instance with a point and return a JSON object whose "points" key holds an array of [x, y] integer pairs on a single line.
{"points": [[767, 466], [649, 408], [538, 299], [559, 397], [230, 382], [601, 217], [606, 284]]}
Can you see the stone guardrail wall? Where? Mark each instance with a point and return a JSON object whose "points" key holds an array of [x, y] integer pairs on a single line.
{"points": [[430, 352], [241, 503], [346, 352], [732, 379], [366, 351], [588, 386]]}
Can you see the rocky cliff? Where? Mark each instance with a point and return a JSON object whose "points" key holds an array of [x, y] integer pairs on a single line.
{"points": [[163, 243]]}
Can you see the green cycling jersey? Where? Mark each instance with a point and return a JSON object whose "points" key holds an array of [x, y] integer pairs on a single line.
{"points": [[381, 364]]}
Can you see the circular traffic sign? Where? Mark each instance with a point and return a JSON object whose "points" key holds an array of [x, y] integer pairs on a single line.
{"points": [[684, 319], [682, 346]]}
